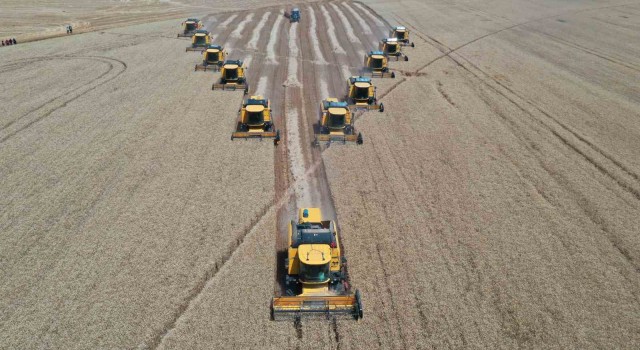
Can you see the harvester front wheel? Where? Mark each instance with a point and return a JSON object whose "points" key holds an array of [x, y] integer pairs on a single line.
{"points": [[359, 308], [413, 45], [276, 140], [381, 107], [393, 75], [360, 140]]}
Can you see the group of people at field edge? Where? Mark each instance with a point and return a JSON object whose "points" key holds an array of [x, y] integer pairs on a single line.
{"points": [[9, 42]]}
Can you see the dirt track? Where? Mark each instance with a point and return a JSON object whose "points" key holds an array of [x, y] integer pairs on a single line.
{"points": [[493, 204]]}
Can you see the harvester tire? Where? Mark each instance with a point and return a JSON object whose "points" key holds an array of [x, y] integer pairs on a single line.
{"points": [[276, 140], [406, 58], [393, 75], [381, 107], [413, 45], [359, 141]]}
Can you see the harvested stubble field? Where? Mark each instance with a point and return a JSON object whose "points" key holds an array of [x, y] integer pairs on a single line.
{"points": [[495, 203]]}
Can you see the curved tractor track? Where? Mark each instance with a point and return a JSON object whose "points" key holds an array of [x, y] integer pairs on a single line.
{"points": [[115, 68]]}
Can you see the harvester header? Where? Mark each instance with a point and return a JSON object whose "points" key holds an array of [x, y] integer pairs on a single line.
{"points": [[316, 279]]}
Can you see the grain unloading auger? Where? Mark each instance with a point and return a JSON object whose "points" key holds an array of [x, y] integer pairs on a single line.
{"points": [[316, 283]]}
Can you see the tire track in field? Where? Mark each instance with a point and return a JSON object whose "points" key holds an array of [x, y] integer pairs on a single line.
{"points": [[524, 104], [447, 52], [587, 50], [623, 183], [210, 276], [265, 84], [116, 66]]}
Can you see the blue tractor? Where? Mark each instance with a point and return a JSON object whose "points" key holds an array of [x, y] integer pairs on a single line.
{"points": [[295, 15]]}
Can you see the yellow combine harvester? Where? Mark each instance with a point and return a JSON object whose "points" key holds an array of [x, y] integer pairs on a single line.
{"points": [[361, 94], [336, 124], [212, 58], [402, 34], [255, 121], [189, 27], [199, 41], [376, 64], [392, 48], [232, 77], [316, 280]]}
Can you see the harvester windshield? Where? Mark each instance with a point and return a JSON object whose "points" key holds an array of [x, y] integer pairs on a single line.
{"points": [[362, 92], [231, 74], [190, 26], [314, 273], [336, 121], [336, 118], [376, 63], [255, 118], [213, 57], [201, 40], [392, 47]]}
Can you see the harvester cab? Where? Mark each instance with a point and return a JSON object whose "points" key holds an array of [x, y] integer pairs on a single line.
{"points": [[361, 94], [200, 40], [316, 282], [212, 58], [376, 63], [255, 121], [232, 77], [392, 48], [189, 27], [402, 34], [336, 123], [295, 15]]}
